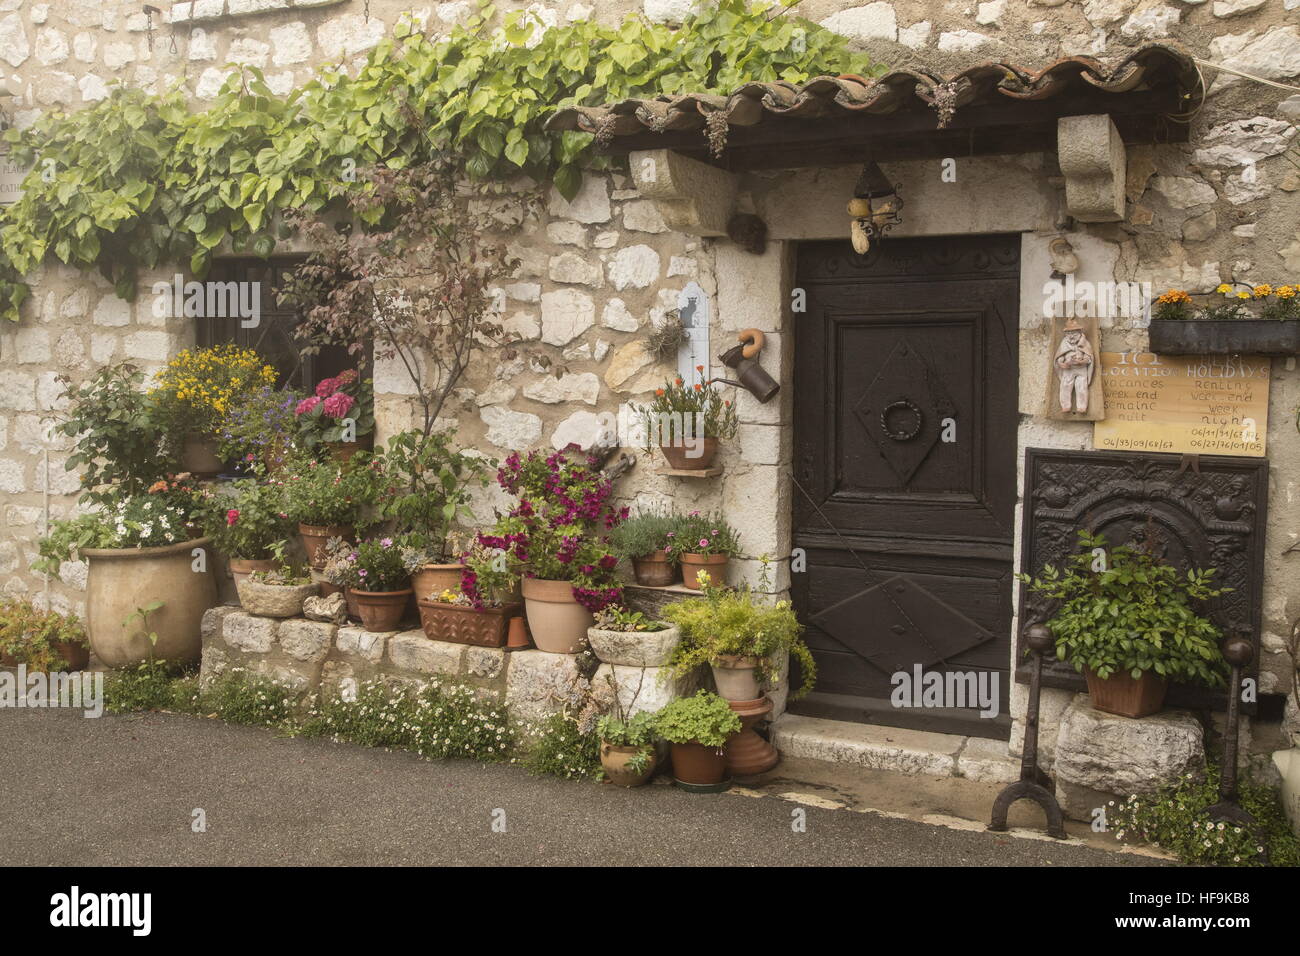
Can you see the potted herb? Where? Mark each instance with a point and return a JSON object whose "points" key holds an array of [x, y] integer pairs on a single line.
{"points": [[1235, 319], [698, 729], [327, 500], [644, 541], [278, 592], [703, 544], [141, 552], [741, 638], [1129, 623], [195, 391], [380, 584], [687, 422], [426, 486], [248, 523], [556, 537], [627, 753], [479, 609], [624, 637], [340, 415], [41, 640]]}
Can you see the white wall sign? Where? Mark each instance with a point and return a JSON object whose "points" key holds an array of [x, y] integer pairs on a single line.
{"points": [[11, 179], [693, 310]]}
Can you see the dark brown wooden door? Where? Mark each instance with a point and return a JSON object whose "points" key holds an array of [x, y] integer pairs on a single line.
{"points": [[905, 463]]}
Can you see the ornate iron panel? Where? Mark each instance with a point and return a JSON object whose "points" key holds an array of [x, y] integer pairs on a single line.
{"points": [[1197, 512]]}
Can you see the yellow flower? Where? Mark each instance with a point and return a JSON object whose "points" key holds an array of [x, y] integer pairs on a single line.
{"points": [[1263, 291], [1224, 289], [1285, 291], [1243, 295]]}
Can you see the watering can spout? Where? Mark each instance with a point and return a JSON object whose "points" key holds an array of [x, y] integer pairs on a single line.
{"points": [[744, 359]]}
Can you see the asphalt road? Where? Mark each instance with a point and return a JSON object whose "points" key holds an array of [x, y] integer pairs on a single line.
{"points": [[122, 790]]}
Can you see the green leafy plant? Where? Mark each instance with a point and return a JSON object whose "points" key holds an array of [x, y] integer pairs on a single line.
{"points": [[637, 731], [427, 487], [644, 534], [703, 719], [141, 614], [32, 636], [615, 617], [1122, 610], [248, 520], [341, 409], [561, 748], [1176, 820], [329, 492], [118, 439], [136, 180], [727, 623], [150, 685], [488, 579]]}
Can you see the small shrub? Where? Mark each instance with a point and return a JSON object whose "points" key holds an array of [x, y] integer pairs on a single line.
{"points": [[1176, 820]]}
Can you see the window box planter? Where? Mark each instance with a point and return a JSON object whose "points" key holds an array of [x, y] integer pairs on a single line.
{"points": [[465, 625], [1224, 337]]}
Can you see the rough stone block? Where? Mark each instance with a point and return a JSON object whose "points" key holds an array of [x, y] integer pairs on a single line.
{"points": [[1092, 158], [358, 642], [485, 662], [306, 640], [253, 635], [1099, 753], [643, 689], [412, 651], [533, 678], [692, 196], [634, 648]]}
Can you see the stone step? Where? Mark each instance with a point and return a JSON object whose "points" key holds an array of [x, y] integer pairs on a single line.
{"points": [[894, 748]]}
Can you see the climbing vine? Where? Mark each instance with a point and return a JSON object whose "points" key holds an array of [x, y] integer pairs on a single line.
{"points": [[137, 180]]}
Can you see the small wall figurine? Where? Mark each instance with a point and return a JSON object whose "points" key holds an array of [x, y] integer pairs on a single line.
{"points": [[1074, 385]]}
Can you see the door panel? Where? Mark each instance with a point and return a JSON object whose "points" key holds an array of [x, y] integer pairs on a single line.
{"points": [[905, 431]]}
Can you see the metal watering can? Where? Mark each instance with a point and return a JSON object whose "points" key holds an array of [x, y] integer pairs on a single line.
{"points": [[744, 359]]}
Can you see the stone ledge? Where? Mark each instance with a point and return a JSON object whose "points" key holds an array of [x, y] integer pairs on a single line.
{"points": [[869, 745], [206, 11]]}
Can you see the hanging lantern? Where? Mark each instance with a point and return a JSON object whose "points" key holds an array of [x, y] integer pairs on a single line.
{"points": [[875, 208]]}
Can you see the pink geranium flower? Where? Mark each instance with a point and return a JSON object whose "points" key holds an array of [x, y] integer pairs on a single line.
{"points": [[704, 542]]}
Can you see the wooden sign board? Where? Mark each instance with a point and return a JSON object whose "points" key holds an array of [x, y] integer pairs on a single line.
{"points": [[1193, 404], [11, 179]]}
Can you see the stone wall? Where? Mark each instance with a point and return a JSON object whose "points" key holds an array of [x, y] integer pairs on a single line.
{"points": [[599, 271]]}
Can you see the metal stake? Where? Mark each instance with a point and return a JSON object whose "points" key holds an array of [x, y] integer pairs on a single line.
{"points": [[1237, 651], [1033, 783]]}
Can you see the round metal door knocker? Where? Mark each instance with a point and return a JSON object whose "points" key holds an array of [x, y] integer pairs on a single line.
{"points": [[901, 434]]}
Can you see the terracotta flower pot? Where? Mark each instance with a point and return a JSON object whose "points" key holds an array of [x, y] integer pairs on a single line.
{"points": [[199, 456], [1121, 694], [241, 568], [698, 765], [342, 451], [465, 625], [557, 622], [354, 608], [654, 570], [517, 638], [122, 581], [748, 754], [315, 536], [432, 579], [714, 564], [381, 610], [614, 760], [736, 677], [679, 457]]}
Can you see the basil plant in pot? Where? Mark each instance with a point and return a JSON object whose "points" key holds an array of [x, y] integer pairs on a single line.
{"points": [[742, 637], [698, 729], [1130, 624]]}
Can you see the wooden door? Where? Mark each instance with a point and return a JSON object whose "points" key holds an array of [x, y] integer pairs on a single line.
{"points": [[905, 469]]}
